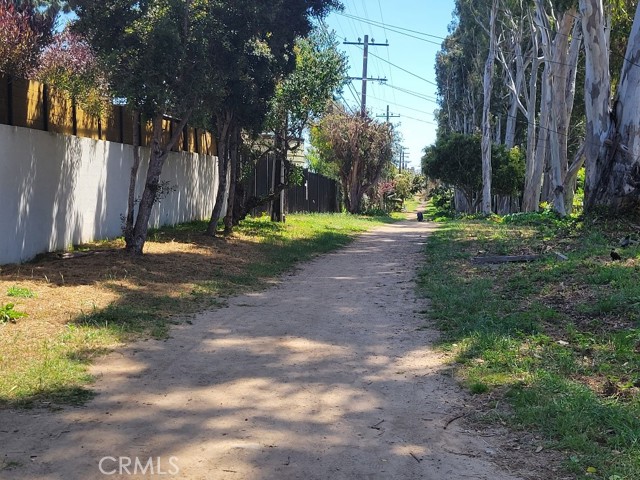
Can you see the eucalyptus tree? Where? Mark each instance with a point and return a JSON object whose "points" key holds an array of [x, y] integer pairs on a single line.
{"points": [[458, 74], [613, 129], [486, 106]]}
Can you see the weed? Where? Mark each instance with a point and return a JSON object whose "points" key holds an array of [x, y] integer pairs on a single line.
{"points": [[10, 465], [9, 314], [20, 292]]}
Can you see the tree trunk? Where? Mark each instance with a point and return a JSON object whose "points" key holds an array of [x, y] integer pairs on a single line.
{"points": [[277, 208], [597, 94], [131, 197], [158, 155], [615, 174], [224, 124], [486, 122], [533, 173], [562, 79], [234, 165]]}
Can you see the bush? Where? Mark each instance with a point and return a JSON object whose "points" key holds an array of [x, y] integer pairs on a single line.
{"points": [[442, 200]]}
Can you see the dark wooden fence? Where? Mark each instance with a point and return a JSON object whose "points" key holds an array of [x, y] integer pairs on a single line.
{"points": [[316, 194]]}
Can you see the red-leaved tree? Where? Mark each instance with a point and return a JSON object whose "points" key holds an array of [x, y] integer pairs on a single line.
{"points": [[70, 64], [19, 39]]}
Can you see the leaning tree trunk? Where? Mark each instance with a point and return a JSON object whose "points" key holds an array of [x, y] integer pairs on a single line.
{"points": [[534, 186], [486, 106], [158, 155]]}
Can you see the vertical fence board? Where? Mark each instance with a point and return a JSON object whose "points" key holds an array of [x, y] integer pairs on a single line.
{"points": [[111, 124], [27, 104], [87, 124], [127, 126], [59, 110]]}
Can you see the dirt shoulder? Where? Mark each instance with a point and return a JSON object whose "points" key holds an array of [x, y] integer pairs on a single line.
{"points": [[329, 374]]}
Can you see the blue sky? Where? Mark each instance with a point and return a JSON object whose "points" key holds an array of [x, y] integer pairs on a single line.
{"points": [[412, 29]]}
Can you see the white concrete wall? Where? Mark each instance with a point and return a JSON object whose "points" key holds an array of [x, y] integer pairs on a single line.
{"points": [[57, 191]]}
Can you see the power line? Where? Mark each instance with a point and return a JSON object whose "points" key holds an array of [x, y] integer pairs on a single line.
{"points": [[422, 121], [404, 70], [404, 106], [393, 28], [422, 96]]}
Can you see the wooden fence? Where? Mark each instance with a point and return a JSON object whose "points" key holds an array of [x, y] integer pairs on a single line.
{"points": [[31, 104], [316, 194]]}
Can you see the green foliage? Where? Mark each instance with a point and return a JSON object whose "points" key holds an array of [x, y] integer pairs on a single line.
{"points": [[418, 184], [295, 174], [403, 185], [155, 53], [456, 160], [21, 292], [320, 71], [442, 202], [316, 164], [9, 314]]}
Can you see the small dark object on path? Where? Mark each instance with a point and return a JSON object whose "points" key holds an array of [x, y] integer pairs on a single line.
{"points": [[420, 217], [615, 255]]}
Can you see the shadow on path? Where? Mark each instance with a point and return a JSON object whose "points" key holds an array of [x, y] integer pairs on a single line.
{"points": [[328, 375]]}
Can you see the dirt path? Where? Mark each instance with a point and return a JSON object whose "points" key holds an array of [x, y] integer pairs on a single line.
{"points": [[327, 375]]}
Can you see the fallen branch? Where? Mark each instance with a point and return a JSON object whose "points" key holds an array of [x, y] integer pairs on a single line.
{"points": [[451, 420], [506, 258]]}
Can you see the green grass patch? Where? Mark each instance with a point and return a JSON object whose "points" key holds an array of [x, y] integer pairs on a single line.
{"points": [[561, 338], [20, 292]]}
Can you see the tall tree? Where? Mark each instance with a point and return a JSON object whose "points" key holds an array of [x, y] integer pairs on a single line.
{"points": [[486, 106], [360, 147], [300, 98], [155, 53], [613, 138], [262, 50]]}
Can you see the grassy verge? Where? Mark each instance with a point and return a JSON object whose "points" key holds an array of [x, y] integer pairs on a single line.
{"points": [[80, 307], [559, 340]]}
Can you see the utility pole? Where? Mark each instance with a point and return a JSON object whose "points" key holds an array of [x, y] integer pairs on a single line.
{"points": [[403, 164], [364, 78], [389, 115]]}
